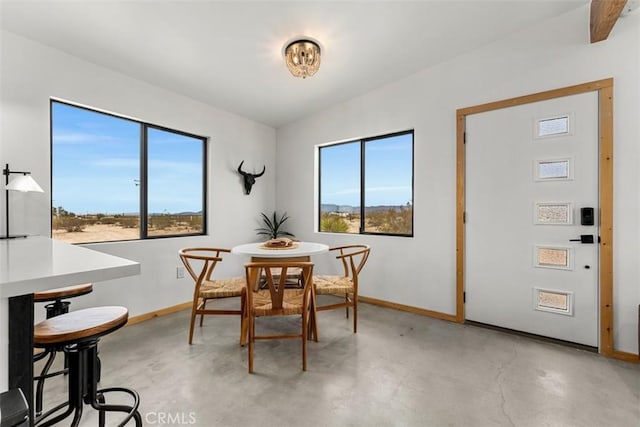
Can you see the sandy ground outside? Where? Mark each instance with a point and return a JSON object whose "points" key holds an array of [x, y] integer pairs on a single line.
{"points": [[354, 226], [98, 233], [108, 233]]}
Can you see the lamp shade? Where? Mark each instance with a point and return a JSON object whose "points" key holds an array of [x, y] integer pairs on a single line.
{"points": [[24, 183]]}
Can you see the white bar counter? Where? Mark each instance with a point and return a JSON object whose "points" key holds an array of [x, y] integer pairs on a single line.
{"points": [[37, 263]]}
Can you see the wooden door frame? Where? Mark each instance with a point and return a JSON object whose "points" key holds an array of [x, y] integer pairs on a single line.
{"points": [[604, 88]]}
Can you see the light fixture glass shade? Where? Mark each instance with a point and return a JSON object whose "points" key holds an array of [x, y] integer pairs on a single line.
{"points": [[24, 183], [302, 57]]}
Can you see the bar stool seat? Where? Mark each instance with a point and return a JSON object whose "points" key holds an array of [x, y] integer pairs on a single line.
{"points": [[56, 307], [78, 332], [59, 293], [79, 325]]}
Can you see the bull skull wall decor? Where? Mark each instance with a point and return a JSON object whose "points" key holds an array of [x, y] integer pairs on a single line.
{"points": [[249, 178]]}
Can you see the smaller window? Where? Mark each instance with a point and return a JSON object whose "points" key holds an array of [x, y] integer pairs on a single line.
{"points": [[366, 186]]}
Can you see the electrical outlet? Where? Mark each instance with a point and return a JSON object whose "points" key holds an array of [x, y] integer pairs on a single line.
{"points": [[180, 272]]}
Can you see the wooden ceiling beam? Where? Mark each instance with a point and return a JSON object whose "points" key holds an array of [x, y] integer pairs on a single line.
{"points": [[604, 14]]}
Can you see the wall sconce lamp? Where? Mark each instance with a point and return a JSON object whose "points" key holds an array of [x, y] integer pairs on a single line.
{"points": [[23, 183]]}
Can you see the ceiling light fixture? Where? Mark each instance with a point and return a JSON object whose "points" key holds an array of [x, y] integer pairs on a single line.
{"points": [[302, 57]]}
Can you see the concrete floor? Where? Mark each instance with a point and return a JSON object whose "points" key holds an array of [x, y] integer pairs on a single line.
{"points": [[400, 369]]}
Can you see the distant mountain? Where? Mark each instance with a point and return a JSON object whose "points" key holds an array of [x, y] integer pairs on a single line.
{"points": [[175, 213], [325, 208], [339, 208], [135, 214], [383, 208]]}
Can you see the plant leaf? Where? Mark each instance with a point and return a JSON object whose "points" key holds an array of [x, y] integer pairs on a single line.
{"points": [[272, 225]]}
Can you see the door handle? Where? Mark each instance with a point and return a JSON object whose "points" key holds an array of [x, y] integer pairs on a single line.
{"points": [[584, 238]]}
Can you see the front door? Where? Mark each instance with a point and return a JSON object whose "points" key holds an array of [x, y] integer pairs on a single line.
{"points": [[531, 230]]}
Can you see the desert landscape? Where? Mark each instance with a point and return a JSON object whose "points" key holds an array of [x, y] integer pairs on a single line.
{"points": [[72, 228], [90, 228], [96, 233], [392, 220]]}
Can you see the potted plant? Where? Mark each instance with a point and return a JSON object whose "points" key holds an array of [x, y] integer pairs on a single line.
{"points": [[272, 226]]}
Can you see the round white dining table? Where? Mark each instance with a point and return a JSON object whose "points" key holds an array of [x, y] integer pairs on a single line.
{"points": [[301, 252]]}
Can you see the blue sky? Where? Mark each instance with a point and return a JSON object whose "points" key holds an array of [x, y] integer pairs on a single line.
{"points": [[96, 165], [388, 172]]}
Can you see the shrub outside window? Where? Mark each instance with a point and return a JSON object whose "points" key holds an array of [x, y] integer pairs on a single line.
{"points": [[117, 179], [366, 186]]}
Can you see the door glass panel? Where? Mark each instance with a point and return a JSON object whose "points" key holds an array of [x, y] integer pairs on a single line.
{"points": [[554, 301], [553, 126], [554, 213], [552, 169], [547, 257]]}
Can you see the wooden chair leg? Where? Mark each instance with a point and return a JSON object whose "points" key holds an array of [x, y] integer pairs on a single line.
{"points": [[312, 324], [252, 327], [355, 314], [192, 324], [243, 322], [204, 303], [304, 341], [346, 307]]}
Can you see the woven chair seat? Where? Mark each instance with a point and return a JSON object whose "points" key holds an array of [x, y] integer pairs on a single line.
{"points": [[352, 258], [291, 303], [222, 288], [330, 285]]}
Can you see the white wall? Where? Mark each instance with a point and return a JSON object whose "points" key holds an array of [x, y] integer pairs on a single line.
{"points": [[420, 271], [31, 73]]}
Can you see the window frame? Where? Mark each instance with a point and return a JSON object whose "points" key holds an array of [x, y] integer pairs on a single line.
{"points": [[143, 173], [363, 142]]}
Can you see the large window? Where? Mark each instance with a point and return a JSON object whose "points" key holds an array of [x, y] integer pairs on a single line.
{"points": [[366, 186], [119, 179]]}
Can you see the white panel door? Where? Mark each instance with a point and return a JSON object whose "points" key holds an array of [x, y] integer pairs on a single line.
{"points": [[530, 170]]}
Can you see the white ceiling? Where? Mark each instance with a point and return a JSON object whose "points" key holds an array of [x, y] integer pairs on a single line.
{"points": [[229, 54]]}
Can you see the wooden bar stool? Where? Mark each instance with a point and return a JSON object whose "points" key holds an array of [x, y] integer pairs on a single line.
{"points": [[78, 332], [56, 307]]}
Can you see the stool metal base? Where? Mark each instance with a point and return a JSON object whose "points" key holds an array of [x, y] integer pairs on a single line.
{"points": [[83, 375], [44, 374], [56, 308]]}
